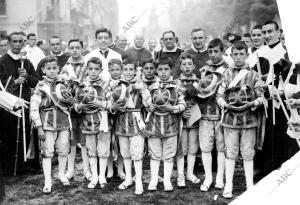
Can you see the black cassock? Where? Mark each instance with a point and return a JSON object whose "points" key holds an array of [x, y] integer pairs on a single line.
{"points": [[2, 190], [8, 126], [278, 146]]}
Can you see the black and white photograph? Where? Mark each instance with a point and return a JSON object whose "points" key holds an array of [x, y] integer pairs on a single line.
{"points": [[149, 102]]}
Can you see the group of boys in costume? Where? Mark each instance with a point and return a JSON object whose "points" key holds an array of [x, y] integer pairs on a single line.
{"points": [[113, 111]]}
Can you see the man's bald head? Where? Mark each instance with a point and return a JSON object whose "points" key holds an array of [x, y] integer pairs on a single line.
{"points": [[139, 40], [122, 41]]}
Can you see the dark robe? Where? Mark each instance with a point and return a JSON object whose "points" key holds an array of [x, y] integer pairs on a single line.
{"points": [[119, 50], [275, 150], [2, 190], [8, 127], [138, 56], [85, 52]]}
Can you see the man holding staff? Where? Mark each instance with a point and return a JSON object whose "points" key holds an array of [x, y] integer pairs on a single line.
{"points": [[10, 65], [9, 103]]}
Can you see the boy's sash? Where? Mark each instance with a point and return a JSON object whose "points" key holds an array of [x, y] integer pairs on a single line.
{"points": [[238, 78], [46, 89], [234, 82]]}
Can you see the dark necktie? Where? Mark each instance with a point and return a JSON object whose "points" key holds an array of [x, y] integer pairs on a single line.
{"points": [[253, 49], [105, 53]]}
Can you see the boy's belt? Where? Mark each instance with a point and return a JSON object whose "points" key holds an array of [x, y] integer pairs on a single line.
{"points": [[90, 111], [161, 113], [104, 118], [49, 108], [132, 110]]}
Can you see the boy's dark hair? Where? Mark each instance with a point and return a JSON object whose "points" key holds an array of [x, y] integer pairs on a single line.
{"points": [[128, 61], [239, 45], [256, 27], [114, 61], [30, 34], [103, 30], [47, 59], [76, 40], [247, 35], [216, 42], [54, 37], [172, 32], [94, 60], [272, 22], [12, 34], [164, 61], [149, 60], [186, 56]]}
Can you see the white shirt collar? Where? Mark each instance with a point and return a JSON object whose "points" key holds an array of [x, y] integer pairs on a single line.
{"points": [[13, 55], [198, 51], [170, 51], [60, 54]]}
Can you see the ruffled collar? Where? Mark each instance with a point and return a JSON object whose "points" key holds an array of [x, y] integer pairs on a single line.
{"points": [[136, 48], [199, 51], [59, 54], [210, 63], [51, 80], [246, 66], [13, 55], [184, 77], [93, 81], [132, 81], [77, 62], [155, 79]]}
